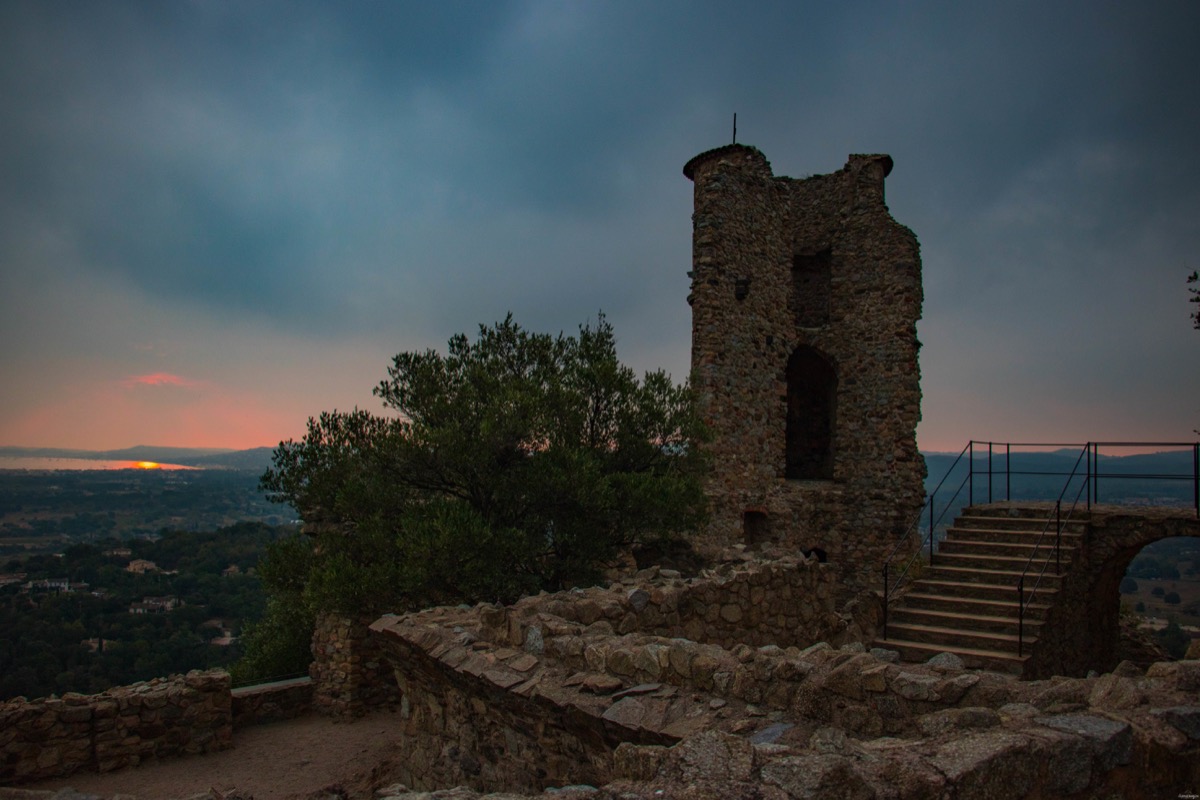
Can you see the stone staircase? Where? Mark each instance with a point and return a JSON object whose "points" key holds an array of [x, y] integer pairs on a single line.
{"points": [[966, 603]]}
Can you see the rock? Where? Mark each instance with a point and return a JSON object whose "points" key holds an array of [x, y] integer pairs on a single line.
{"points": [[638, 762], [1184, 718], [911, 686], [830, 740], [534, 643], [629, 711], [826, 776], [945, 662], [1128, 669], [1112, 741], [952, 690], [1183, 676], [638, 599], [883, 654], [641, 688], [987, 766], [853, 647], [709, 757], [954, 719], [1115, 693], [875, 678], [771, 733], [847, 679]]}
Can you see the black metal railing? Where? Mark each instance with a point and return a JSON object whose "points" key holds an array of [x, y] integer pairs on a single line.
{"points": [[1055, 519], [985, 465], [1093, 475], [927, 541]]}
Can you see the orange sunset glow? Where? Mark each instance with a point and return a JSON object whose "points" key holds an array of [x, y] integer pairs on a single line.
{"points": [[148, 465]]}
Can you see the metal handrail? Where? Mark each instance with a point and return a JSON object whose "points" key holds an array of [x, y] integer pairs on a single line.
{"points": [[1058, 521], [929, 503], [1090, 450]]}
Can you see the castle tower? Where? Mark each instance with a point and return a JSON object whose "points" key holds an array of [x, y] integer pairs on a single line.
{"points": [[805, 297]]}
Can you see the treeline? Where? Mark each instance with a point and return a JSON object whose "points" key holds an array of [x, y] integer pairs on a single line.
{"points": [[91, 505], [87, 640]]}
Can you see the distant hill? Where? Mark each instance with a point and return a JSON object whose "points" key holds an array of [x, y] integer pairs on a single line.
{"points": [[255, 459]]}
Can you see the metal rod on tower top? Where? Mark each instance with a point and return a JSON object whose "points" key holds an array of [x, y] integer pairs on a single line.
{"points": [[735, 127]]}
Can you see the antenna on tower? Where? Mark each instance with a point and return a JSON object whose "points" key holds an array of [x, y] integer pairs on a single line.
{"points": [[735, 127]]}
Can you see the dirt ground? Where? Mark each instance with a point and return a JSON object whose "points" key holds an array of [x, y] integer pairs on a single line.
{"points": [[281, 761]]}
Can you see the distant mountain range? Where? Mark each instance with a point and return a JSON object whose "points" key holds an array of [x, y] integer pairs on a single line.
{"points": [[255, 459]]}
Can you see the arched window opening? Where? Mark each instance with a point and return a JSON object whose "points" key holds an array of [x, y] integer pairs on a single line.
{"points": [[811, 408]]}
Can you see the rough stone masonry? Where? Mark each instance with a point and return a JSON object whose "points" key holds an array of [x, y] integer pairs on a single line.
{"points": [[805, 297]]}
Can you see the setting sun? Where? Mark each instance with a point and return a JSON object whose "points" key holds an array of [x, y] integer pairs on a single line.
{"points": [[148, 465]]}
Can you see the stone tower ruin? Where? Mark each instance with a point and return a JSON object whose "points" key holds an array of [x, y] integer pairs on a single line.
{"points": [[805, 297]]}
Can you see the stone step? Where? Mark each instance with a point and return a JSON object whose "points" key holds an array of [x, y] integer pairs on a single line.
{"points": [[1074, 525], [979, 591], [1002, 517], [987, 562], [967, 605], [977, 547], [920, 652], [1010, 536], [960, 620], [990, 577], [956, 637]]}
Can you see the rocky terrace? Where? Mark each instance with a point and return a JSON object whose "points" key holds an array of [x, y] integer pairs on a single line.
{"points": [[604, 686]]}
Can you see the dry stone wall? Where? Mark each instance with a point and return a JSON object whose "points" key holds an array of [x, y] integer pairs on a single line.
{"points": [[122, 727], [348, 676], [788, 274], [585, 687]]}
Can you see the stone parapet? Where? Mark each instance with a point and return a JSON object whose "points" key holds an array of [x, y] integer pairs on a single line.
{"points": [[586, 687], [125, 726], [348, 676], [271, 702]]}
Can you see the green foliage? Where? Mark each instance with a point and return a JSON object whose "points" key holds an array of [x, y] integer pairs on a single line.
{"points": [[1172, 598], [45, 634], [278, 644], [1195, 298], [516, 462], [1173, 639]]}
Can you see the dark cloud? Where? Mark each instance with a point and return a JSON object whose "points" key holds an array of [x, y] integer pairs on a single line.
{"points": [[403, 171]]}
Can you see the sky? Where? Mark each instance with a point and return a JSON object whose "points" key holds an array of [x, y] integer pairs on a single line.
{"points": [[220, 218]]}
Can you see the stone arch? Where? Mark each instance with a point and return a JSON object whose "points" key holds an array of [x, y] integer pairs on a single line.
{"points": [[811, 415], [1083, 628]]}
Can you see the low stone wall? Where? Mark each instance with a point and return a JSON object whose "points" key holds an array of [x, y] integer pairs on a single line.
{"points": [[783, 601], [271, 702], [566, 689], [54, 736], [349, 677]]}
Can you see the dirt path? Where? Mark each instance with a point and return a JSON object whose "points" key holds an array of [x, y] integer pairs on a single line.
{"points": [[280, 761]]}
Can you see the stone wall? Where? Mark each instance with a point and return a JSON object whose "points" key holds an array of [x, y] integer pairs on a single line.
{"points": [[271, 702], [348, 676], [576, 704], [122, 727], [785, 600], [755, 305]]}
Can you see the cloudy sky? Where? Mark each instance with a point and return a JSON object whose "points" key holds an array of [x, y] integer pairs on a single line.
{"points": [[220, 218]]}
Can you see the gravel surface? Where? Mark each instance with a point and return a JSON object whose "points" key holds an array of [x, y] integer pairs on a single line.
{"points": [[292, 759]]}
